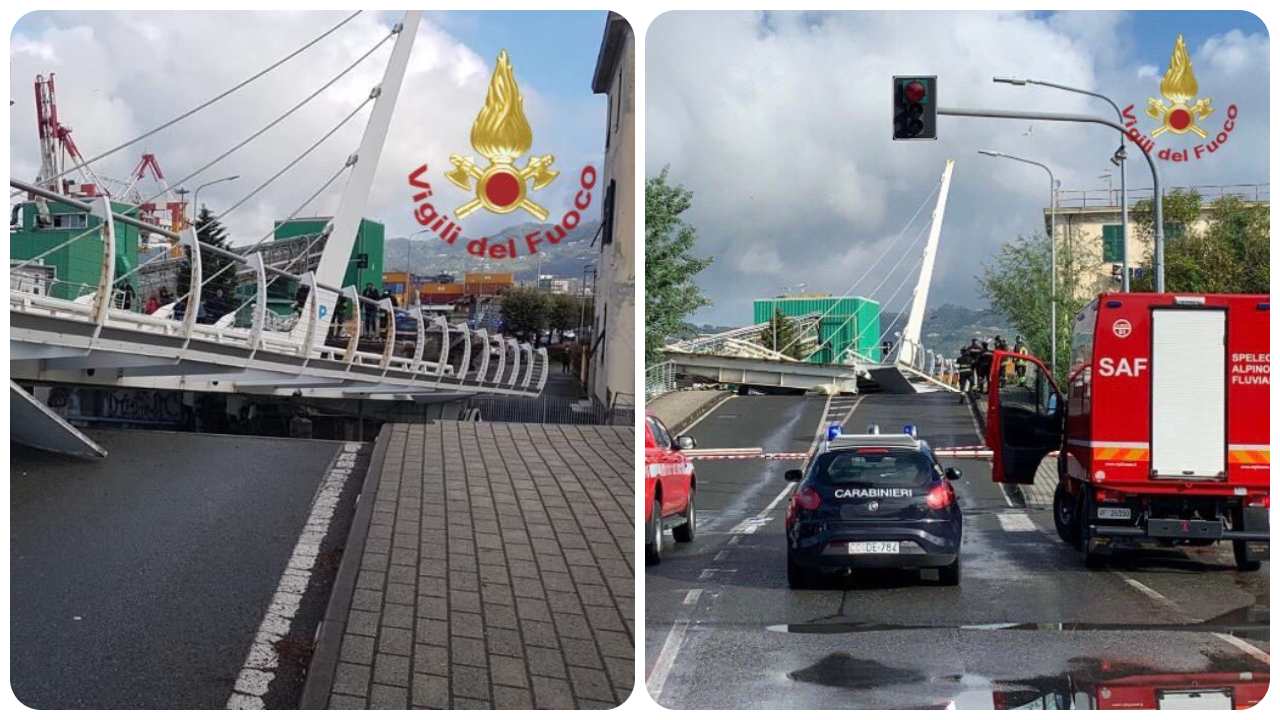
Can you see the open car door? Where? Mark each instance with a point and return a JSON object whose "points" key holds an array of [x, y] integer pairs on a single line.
{"points": [[1024, 417]]}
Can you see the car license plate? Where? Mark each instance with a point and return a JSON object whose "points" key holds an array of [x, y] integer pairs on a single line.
{"points": [[873, 548], [1113, 513]]}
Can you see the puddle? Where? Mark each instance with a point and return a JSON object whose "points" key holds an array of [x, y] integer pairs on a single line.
{"points": [[1085, 683]]}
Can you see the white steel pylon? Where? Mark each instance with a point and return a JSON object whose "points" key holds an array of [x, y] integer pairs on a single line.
{"points": [[346, 223], [910, 345]]}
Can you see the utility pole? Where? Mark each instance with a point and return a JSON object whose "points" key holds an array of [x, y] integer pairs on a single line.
{"points": [[1067, 117]]}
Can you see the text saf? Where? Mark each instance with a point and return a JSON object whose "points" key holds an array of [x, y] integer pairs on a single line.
{"points": [[1121, 367]]}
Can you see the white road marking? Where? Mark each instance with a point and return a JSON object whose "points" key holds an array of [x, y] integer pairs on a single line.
{"points": [[1242, 644], [1004, 493], [707, 573], [1151, 593], [260, 664], [703, 416], [785, 492], [666, 659], [1015, 522], [734, 540], [722, 555], [691, 597], [845, 420]]}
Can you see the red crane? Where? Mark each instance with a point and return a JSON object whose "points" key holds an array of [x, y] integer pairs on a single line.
{"points": [[56, 145]]}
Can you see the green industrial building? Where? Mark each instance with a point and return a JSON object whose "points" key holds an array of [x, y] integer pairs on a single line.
{"points": [[76, 268], [847, 322]]}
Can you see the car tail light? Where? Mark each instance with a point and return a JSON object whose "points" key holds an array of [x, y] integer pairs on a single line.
{"points": [[1263, 501], [808, 499], [938, 498], [1102, 496]]}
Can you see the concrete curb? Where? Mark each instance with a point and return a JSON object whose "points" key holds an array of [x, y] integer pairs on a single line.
{"points": [[678, 427], [324, 662]]}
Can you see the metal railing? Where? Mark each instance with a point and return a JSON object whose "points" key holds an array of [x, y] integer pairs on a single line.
{"points": [[1110, 198], [659, 379], [518, 368]]}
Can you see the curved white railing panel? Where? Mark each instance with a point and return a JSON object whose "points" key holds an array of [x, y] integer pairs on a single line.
{"points": [[515, 362], [501, 344], [389, 334], [352, 296], [443, 364], [528, 373], [192, 243], [464, 366], [107, 270], [483, 335], [546, 370], [311, 308]]}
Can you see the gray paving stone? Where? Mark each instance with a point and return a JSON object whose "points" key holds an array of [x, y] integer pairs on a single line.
{"points": [[386, 697], [357, 649], [391, 669], [472, 682], [552, 694], [351, 679], [346, 702], [397, 641]]}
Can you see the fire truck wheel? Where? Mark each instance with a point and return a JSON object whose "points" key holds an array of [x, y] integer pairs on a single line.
{"points": [[1065, 519], [1245, 562], [1093, 559]]}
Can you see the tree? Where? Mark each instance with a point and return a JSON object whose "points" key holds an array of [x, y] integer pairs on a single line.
{"points": [[213, 266], [782, 334], [1228, 253], [670, 293], [1017, 285], [524, 311], [563, 312]]}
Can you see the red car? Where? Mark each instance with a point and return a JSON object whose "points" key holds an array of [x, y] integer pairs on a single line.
{"points": [[669, 487]]}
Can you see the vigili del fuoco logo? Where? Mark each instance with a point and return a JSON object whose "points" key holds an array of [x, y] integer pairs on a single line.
{"points": [[1183, 113], [501, 135]]}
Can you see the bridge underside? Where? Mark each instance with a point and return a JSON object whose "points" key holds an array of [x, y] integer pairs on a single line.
{"points": [[765, 372]]}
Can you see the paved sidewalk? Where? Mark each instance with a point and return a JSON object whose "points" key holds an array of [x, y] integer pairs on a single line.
{"points": [[496, 571], [681, 407]]}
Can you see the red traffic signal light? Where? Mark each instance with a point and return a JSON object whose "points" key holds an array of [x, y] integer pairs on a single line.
{"points": [[914, 91], [915, 111]]}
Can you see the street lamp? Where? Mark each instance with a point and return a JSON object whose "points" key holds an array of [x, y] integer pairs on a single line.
{"points": [[195, 200], [1053, 251], [1117, 159]]}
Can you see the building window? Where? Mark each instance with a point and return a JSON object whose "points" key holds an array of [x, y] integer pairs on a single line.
{"points": [[70, 221], [606, 233], [1112, 244]]}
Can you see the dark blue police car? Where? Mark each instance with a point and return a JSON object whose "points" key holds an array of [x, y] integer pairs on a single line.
{"points": [[873, 501]]}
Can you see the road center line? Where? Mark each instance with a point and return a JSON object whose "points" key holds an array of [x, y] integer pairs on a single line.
{"points": [[685, 430], [666, 660], [691, 597], [1245, 645], [782, 495], [259, 666]]}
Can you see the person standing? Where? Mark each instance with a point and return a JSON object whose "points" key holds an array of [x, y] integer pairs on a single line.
{"points": [[983, 367]]}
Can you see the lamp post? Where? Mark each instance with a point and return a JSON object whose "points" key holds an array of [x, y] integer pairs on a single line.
{"points": [[1117, 159], [1053, 252], [195, 199]]}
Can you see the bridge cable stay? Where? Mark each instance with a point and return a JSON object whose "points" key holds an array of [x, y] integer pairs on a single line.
{"points": [[288, 166], [261, 241], [867, 271], [208, 102], [275, 122], [903, 256]]}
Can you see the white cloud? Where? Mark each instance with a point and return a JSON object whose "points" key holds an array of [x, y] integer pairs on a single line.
{"points": [[119, 74], [782, 131]]}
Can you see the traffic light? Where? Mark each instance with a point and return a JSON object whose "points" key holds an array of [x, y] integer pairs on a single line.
{"points": [[915, 107]]}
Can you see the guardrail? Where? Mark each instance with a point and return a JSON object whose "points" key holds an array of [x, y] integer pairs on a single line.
{"points": [[659, 379], [1110, 197]]}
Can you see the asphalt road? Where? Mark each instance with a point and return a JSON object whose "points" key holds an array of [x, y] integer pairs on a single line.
{"points": [[139, 581], [1029, 625]]}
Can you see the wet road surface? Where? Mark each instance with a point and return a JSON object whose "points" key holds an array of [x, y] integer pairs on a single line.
{"points": [[1028, 626]]}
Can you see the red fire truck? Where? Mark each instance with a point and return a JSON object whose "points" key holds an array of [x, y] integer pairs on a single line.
{"points": [[1163, 434]]}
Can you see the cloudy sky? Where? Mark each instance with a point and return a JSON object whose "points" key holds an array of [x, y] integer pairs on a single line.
{"points": [[120, 74], [780, 124]]}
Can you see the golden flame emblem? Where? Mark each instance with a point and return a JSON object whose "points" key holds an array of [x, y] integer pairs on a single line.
{"points": [[1179, 86], [501, 133]]}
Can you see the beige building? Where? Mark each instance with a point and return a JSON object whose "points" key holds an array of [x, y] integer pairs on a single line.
{"points": [[1090, 221], [611, 367]]}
